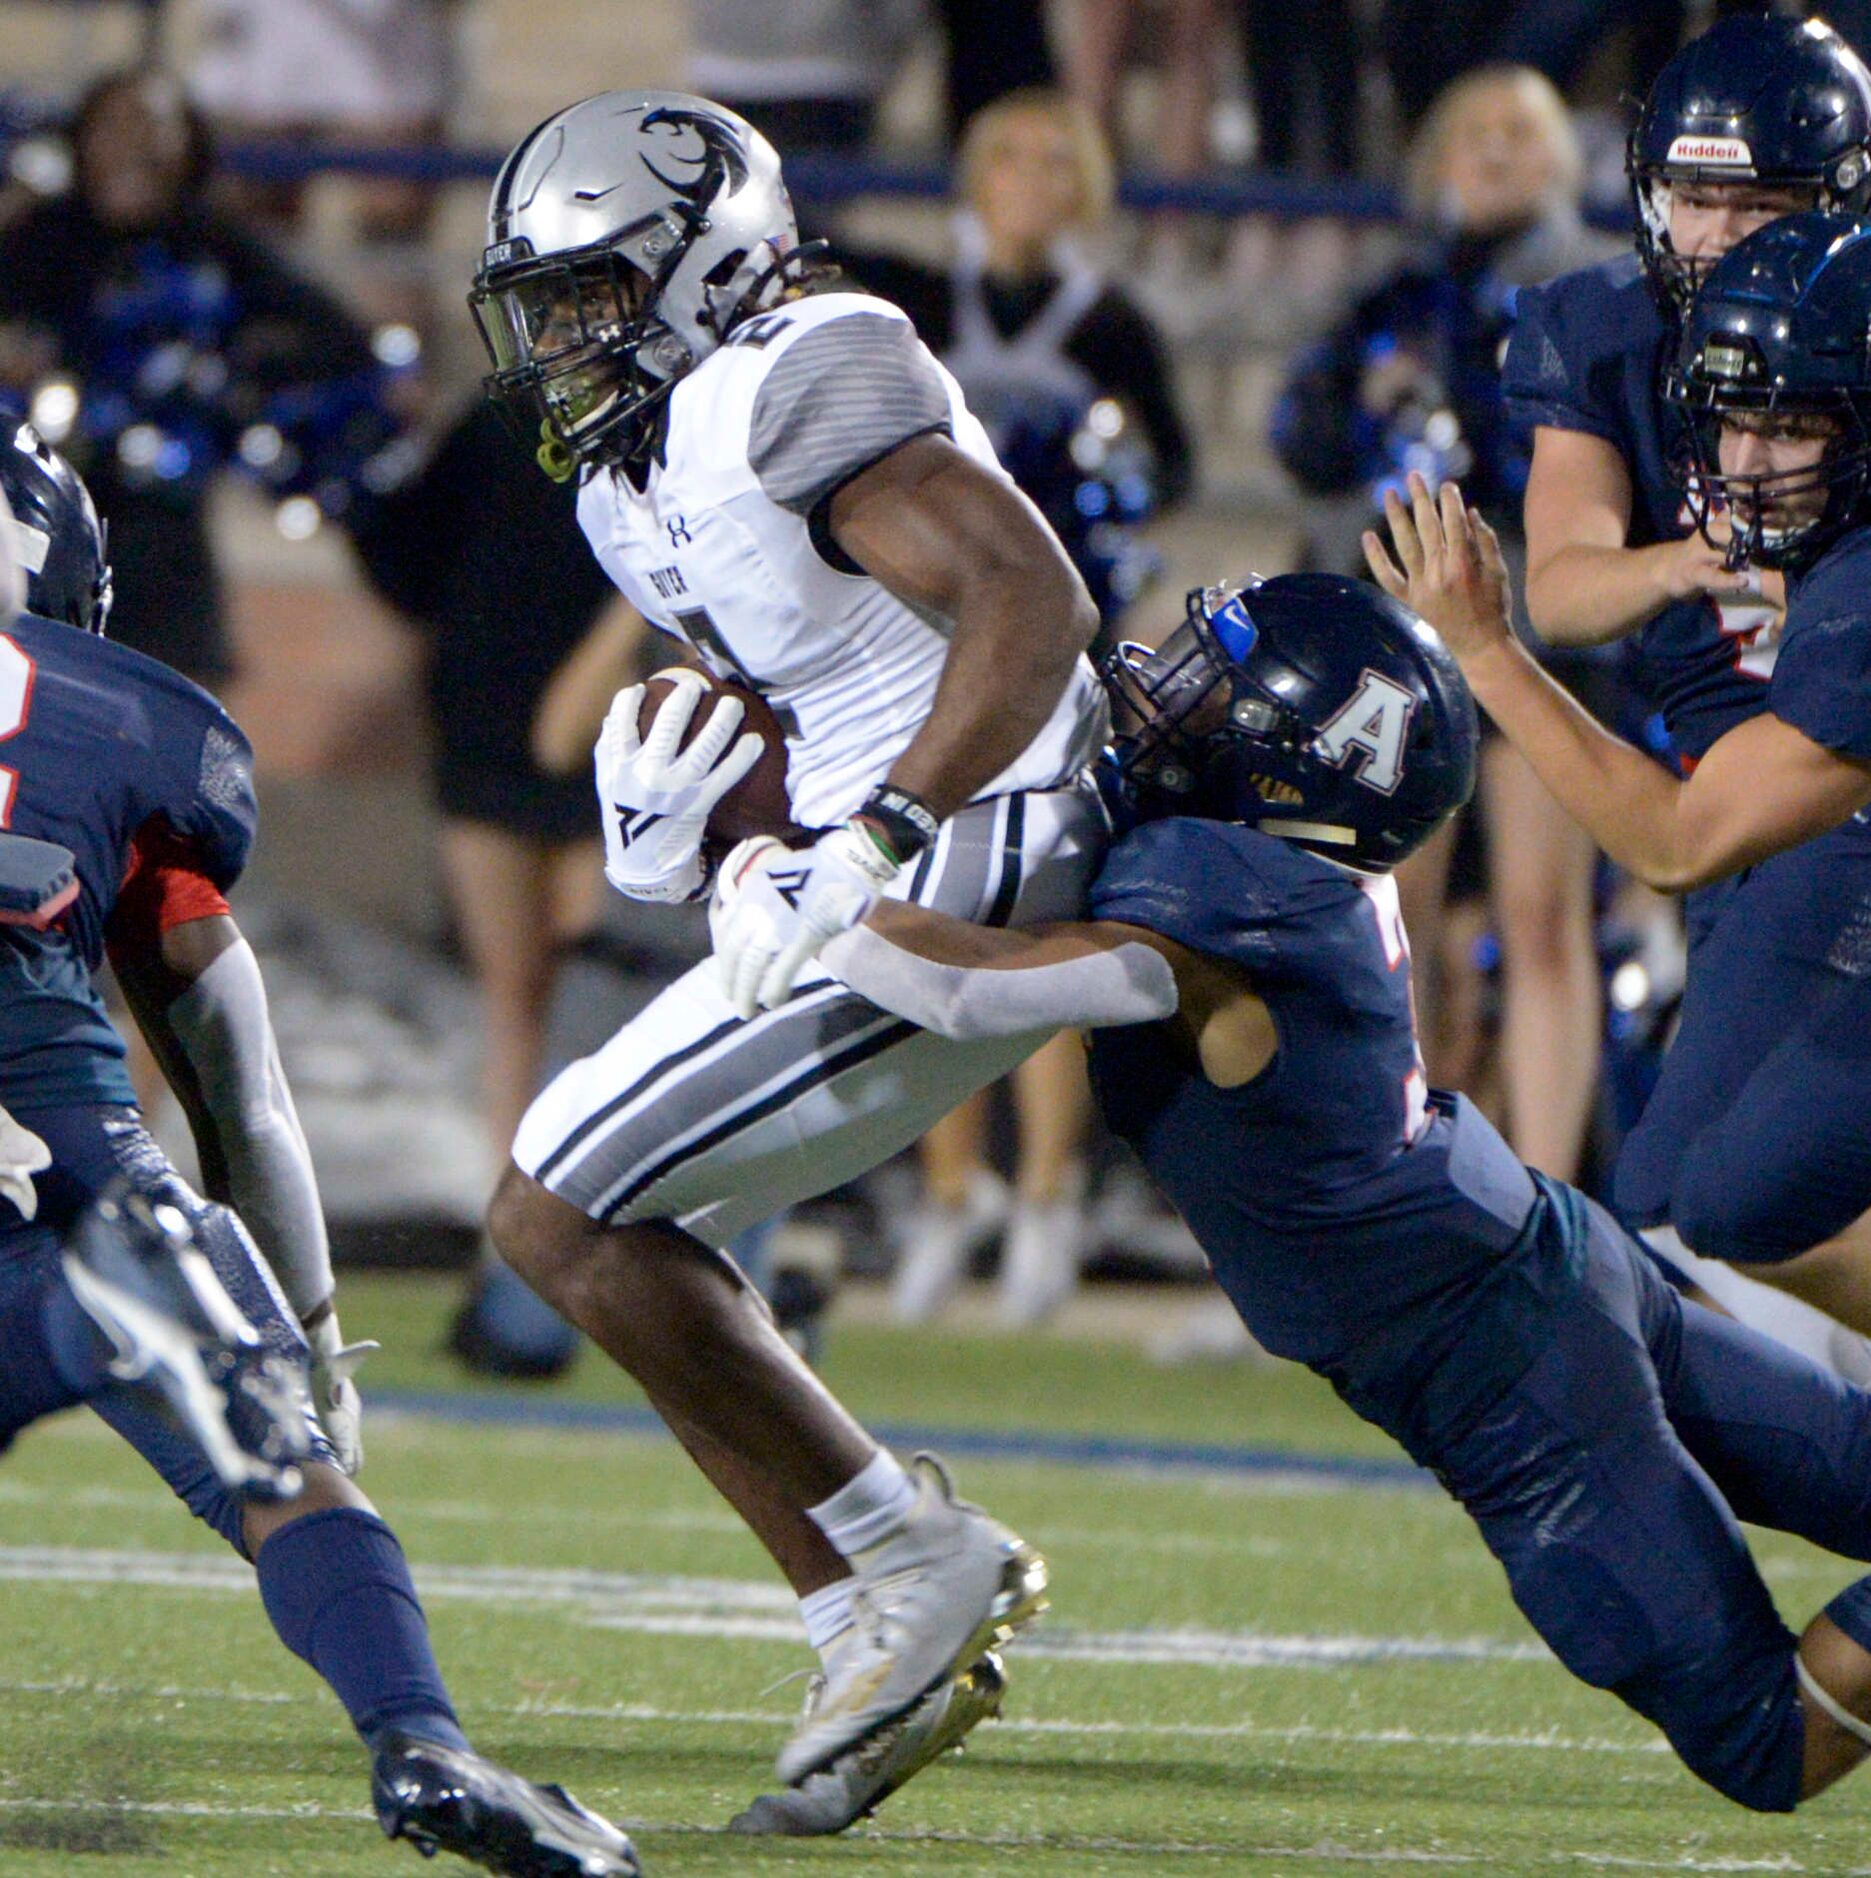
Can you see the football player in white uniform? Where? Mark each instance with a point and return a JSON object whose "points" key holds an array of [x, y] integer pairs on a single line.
{"points": [[779, 474]]}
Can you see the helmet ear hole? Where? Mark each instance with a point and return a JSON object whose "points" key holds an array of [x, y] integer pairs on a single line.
{"points": [[726, 268]]}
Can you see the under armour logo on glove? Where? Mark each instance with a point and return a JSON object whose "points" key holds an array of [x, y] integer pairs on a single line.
{"points": [[656, 796], [774, 908], [633, 823]]}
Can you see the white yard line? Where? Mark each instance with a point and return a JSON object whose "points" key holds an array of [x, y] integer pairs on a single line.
{"points": [[1545, 1741], [659, 1604]]}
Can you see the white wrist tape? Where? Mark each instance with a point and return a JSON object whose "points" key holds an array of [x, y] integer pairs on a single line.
{"points": [[1131, 984], [222, 1026]]}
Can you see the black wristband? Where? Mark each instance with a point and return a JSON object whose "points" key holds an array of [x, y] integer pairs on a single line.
{"points": [[906, 822]]}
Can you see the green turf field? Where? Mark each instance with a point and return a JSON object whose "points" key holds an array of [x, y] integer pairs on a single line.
{"points": [[1240, 1673]]}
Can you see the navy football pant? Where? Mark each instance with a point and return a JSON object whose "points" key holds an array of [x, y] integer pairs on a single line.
{"points": [[1756, 1142], [91, 1147], [1609, 1480]]}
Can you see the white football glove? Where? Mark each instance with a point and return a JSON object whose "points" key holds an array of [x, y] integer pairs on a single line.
{"points": [[775, 906], [22, 1155], [340, 1409], [656, 803]]}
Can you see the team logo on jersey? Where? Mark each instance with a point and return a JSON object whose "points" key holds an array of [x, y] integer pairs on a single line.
{"points": [[1374, 720], [703, 146], [1716, 152]]}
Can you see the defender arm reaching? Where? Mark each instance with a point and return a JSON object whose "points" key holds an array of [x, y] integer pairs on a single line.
{"points": [[965, 981], [198, 997], [1762, 787]]}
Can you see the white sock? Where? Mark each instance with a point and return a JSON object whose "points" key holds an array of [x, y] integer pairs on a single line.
{"points": [[868, 1507], [827, 1613]]}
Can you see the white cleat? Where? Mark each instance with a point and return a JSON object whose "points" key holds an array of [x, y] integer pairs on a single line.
{"points": [[1039, 1266], [937, 1243], [948, 1585], [858, 1782]]}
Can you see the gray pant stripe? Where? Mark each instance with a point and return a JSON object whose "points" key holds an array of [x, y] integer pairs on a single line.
{"points": [[750, 1057]]}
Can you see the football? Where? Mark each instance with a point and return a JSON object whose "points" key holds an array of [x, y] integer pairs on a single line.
{"points": [[758, 804]]}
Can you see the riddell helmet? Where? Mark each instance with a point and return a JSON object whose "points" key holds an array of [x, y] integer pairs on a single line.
{"points": [[1312, 707], [1761, 99], [56, 533], [1781, 327], [626, 237]]}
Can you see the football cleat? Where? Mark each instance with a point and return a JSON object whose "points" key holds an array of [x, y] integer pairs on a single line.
{"points": [[445, 1800], [134, 1267], [937, 1244], [947, 1585], [859, 1781]]}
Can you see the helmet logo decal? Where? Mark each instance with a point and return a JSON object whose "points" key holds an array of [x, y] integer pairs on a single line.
{"points": [[1728, 152], [714, 160], [1375, 719]]}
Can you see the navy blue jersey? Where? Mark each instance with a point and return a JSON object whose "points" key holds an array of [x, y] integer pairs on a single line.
{"points": [[1351, 1217], [1587, 353], [1822, 678], [98, 745]]}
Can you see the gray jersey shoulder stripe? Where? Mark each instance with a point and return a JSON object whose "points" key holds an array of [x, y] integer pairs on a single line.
{"points": [[836, 400]]}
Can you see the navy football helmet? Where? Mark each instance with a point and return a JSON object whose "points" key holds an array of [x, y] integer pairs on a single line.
{"points": [[1311, 706], [1779, 331], [56, 533], [1759, 98]]}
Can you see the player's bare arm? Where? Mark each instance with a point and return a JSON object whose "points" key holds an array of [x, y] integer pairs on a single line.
{"points": [[1764, 786], [1584, 585], [946, 535], [965, 981], [198, 998]]}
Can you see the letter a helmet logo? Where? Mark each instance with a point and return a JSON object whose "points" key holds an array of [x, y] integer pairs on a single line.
{"points": [[1374, 720]]}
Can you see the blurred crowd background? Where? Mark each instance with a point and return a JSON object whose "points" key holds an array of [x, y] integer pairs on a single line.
{"points": [[1215, 272]]}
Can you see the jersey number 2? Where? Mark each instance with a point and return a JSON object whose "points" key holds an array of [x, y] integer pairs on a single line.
{"points": [[1380, 893], [16, 676]]}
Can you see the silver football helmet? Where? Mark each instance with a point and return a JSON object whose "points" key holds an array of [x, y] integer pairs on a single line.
{"points": [[626, 237]]}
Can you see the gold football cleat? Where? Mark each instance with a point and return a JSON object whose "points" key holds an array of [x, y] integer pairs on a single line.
{"points": [[859, 1781]]}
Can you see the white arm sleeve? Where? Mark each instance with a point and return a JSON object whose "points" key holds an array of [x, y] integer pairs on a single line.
{"points": [[1131, 984], [221, 1025]]}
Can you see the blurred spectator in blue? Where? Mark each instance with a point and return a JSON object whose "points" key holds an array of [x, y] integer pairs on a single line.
{"points": [[811, 74], [485, 555], [155, 342], [1411, 380], [1066, 374], [1069, 376]]}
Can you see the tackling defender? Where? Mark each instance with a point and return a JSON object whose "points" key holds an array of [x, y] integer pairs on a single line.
{"points": [[785, 479], [147, 783], [1295, 739], [1759, 118], [1773, 376]]}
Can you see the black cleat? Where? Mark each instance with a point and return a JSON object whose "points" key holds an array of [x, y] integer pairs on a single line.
{"points": [[443, 1800]]}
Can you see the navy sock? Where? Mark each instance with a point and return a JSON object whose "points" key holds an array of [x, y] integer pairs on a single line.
{"points": [[337, 1588], [1851, 1611]]}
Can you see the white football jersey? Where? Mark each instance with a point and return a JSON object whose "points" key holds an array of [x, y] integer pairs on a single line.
{"points": [[722, 546]]}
